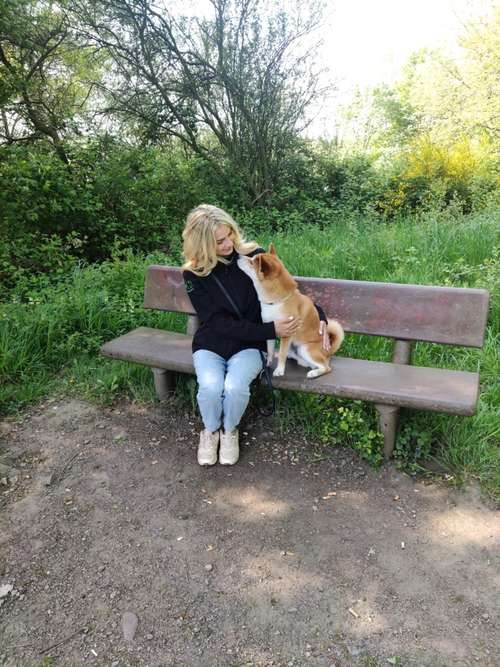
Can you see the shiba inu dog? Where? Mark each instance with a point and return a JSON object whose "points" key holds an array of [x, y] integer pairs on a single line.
{"points": [[279, 299]]}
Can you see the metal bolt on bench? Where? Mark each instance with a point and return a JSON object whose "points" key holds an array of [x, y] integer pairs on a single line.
{"points": [[405, 313]]}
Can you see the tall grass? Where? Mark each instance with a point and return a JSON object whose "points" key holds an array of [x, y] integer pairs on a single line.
{"points": [[52, 342], [432, 250]]}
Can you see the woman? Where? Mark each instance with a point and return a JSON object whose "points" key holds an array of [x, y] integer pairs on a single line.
{"points": [[226, 349]]}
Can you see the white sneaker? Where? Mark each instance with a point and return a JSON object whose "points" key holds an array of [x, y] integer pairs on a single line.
{"points": [[207, 449], [229, 452]]}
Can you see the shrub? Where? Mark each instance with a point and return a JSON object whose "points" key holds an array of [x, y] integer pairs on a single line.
{"points": [[432, 176]]}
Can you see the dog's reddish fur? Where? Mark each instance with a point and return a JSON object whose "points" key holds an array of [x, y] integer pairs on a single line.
{"points": [[280, 298]]}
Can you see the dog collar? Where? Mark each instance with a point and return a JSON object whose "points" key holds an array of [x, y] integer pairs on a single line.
{"points": [[273, 303]]}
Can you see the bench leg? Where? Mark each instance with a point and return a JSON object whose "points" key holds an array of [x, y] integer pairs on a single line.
{"points": [[388, 416], [164, 382]]}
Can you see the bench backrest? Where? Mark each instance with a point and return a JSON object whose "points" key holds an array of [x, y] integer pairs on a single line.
{"points": [[452, 315]]}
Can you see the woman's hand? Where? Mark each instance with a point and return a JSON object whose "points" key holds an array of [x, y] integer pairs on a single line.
{"points": [[325, 336], [288, 327]]}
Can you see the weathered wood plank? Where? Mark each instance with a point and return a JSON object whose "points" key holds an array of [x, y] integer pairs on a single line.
{"points": [[450, 315], [434, 389]]}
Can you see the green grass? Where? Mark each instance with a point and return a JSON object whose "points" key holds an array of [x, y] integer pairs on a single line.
{"points": [[51, 343]]}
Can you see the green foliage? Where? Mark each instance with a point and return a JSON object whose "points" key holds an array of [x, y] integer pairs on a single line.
{"points": [[428, 176], [73, 317], [44, 79], [321, 187], [40, 195], [52, 216], [141, 195], [352, 182], [434, 134], [36, 260], [413, 445], [334, 422], [437, 96], [397, 122], [102, 380], [460, 95], [48, 661]]}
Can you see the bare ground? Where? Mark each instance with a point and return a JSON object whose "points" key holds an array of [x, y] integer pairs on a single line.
{"points": [[276, 561]]}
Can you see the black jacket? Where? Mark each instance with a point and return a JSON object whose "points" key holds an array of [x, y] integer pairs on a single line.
{"points": [[221, 330]]}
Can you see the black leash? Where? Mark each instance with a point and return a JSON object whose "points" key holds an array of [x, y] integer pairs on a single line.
{"points": [[265, 368]]}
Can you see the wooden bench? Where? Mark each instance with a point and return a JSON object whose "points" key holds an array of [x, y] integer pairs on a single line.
{"points": [[405, 313]]}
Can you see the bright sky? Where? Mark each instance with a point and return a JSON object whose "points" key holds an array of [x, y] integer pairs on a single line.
{"points": [[368, 41]]}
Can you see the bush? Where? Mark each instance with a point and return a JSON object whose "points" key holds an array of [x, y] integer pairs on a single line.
{"points": [[40, 195], [431, 176], [52, 215], [352, 182], [35, 260], [319, 173]]}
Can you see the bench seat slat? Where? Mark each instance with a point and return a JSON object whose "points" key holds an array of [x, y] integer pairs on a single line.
{"points": [[440, 390]]}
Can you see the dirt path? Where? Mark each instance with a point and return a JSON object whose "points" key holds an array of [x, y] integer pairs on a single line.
{"points": [[276, 561]]}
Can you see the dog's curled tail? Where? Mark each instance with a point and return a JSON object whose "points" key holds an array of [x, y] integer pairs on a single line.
{"points": [[336, 332]]}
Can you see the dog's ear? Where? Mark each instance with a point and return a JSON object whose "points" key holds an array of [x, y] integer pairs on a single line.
{"points": [[263, 266], [259, 264], [272, 249]]}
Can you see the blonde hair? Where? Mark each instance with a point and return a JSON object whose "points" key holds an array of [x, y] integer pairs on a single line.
{"points": [[199, 248]]}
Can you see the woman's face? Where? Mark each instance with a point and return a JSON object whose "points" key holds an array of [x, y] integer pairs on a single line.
{"points": [[223, 241]]}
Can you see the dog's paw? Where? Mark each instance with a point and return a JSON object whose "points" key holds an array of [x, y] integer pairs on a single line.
{"points": [[278, 372], [316, 372]]}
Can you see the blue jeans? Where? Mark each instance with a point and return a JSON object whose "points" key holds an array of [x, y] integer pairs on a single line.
{"points": [[224, 386]]}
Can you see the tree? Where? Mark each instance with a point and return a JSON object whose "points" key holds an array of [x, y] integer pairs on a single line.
{"points": [[233, 84], [42, 71], [378, 121], [461, 95], [440, 99]]}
